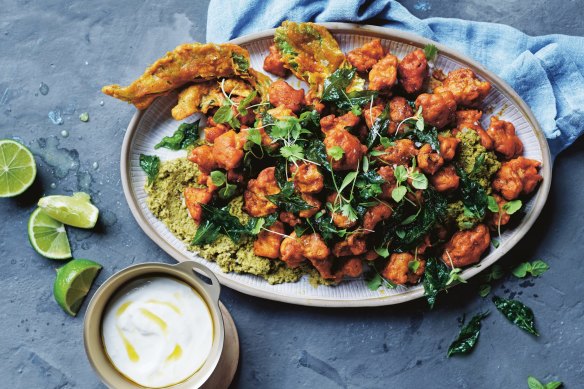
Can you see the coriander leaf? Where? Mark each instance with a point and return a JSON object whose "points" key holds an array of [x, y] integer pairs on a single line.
{"points": [[218, 178], [430, 51], [539, 267], [398, 193], [419, 181], [512, 206], [484, 290], [223, 115], [254, 136], [522, 269], [243, 104], [349, 212], [517, 313], [492, 204], [151, 165], [435, 277], [468, 336], [400, 173], [382, 251], [336, 152], [207, 232], [293, 152]]}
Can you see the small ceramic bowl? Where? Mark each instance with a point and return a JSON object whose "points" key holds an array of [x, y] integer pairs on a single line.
{"points": [[185, 272]]}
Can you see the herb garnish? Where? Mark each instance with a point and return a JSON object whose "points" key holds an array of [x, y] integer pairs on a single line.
{"points": [[517, 313], [534, 383], [430, 51], [219, 179], [436, 276], [535, 268], [186, 135], [150, 164], [473, 196], [468, 336], [335, 87]]}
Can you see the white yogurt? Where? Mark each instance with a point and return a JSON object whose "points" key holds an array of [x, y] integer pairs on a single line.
{"points": [[157, 331]]}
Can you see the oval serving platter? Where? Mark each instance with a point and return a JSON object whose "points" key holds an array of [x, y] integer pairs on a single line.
{"points": [[149, 126]]}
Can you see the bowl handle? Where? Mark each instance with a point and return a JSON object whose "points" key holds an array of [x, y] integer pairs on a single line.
{"points": [[191, 267]]}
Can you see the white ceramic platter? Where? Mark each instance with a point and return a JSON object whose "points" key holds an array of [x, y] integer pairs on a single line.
{"points": [[149, 126]]}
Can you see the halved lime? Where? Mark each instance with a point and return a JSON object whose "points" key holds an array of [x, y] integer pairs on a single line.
{"points": [[48, 236], [17, 168], [76, 210], [73, 283]]}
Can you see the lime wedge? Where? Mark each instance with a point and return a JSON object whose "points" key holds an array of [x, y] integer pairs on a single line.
{"points": [[17, 168], [76, 210], [48, 236], [73, 283]]}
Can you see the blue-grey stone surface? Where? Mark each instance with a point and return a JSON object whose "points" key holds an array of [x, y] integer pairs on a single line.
{"points": [[54, 58]]}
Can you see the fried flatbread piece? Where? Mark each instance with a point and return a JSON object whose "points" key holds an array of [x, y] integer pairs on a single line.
{"points": [[186, 64], [309, 51]]}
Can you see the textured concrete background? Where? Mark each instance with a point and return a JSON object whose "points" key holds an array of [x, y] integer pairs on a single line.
{"points": [[73, 48]]}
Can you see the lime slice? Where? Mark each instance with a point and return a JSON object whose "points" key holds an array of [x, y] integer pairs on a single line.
{"points": [[17, 168], [48, 236], [73, 283], [76, 210]]}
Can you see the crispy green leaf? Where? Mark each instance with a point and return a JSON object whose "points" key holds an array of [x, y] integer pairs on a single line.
{"points": [[207, 232], [517, 313], [378, 129], [473, 195], [293, 152], [186, 135], [468, 336], [150, 164], [436, 276], [288, 200], [315, 151]]}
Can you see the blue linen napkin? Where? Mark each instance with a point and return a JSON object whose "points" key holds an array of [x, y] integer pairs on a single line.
{"points": [[546, 71]]}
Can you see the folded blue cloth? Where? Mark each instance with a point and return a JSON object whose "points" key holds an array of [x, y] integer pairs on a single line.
{"points": [[546, 71]]}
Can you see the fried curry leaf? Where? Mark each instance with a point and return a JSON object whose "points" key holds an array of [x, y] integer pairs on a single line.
{"points": [[221, 220], [368, 185], [432, 212], [378, 128], [315, 151], [428, 135], [186, 135], [325, 226], [468, 336], [335, 87], [436, 276], [207, 232], [287, 199], [517, 313], [473, 195], [150, 164]]}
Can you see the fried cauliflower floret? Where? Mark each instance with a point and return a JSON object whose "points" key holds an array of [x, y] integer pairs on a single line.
{"points": [[339, 219], [351, 267], [314, 247], [307, 178], [471, 119], [466, 247], [383, 74], [375, 214], [282, 94], [213, 132], [353, 245], [503, 135], [494, 219], [371, 114], [390, 182], [448, 146], [353, 150], [228, 150], [468, 90], [268, 242], [331, 122], [291, 251], [313, 100], [203, 157], [273, 63], [281, 112], [445, 179], [363, 58], [401, 153], [429, 161], [517, 176], [256, 203], [194, 197], [438, 109], [412, 70], [312, 201], [399, 110], [398, 271], [290, 219]]}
